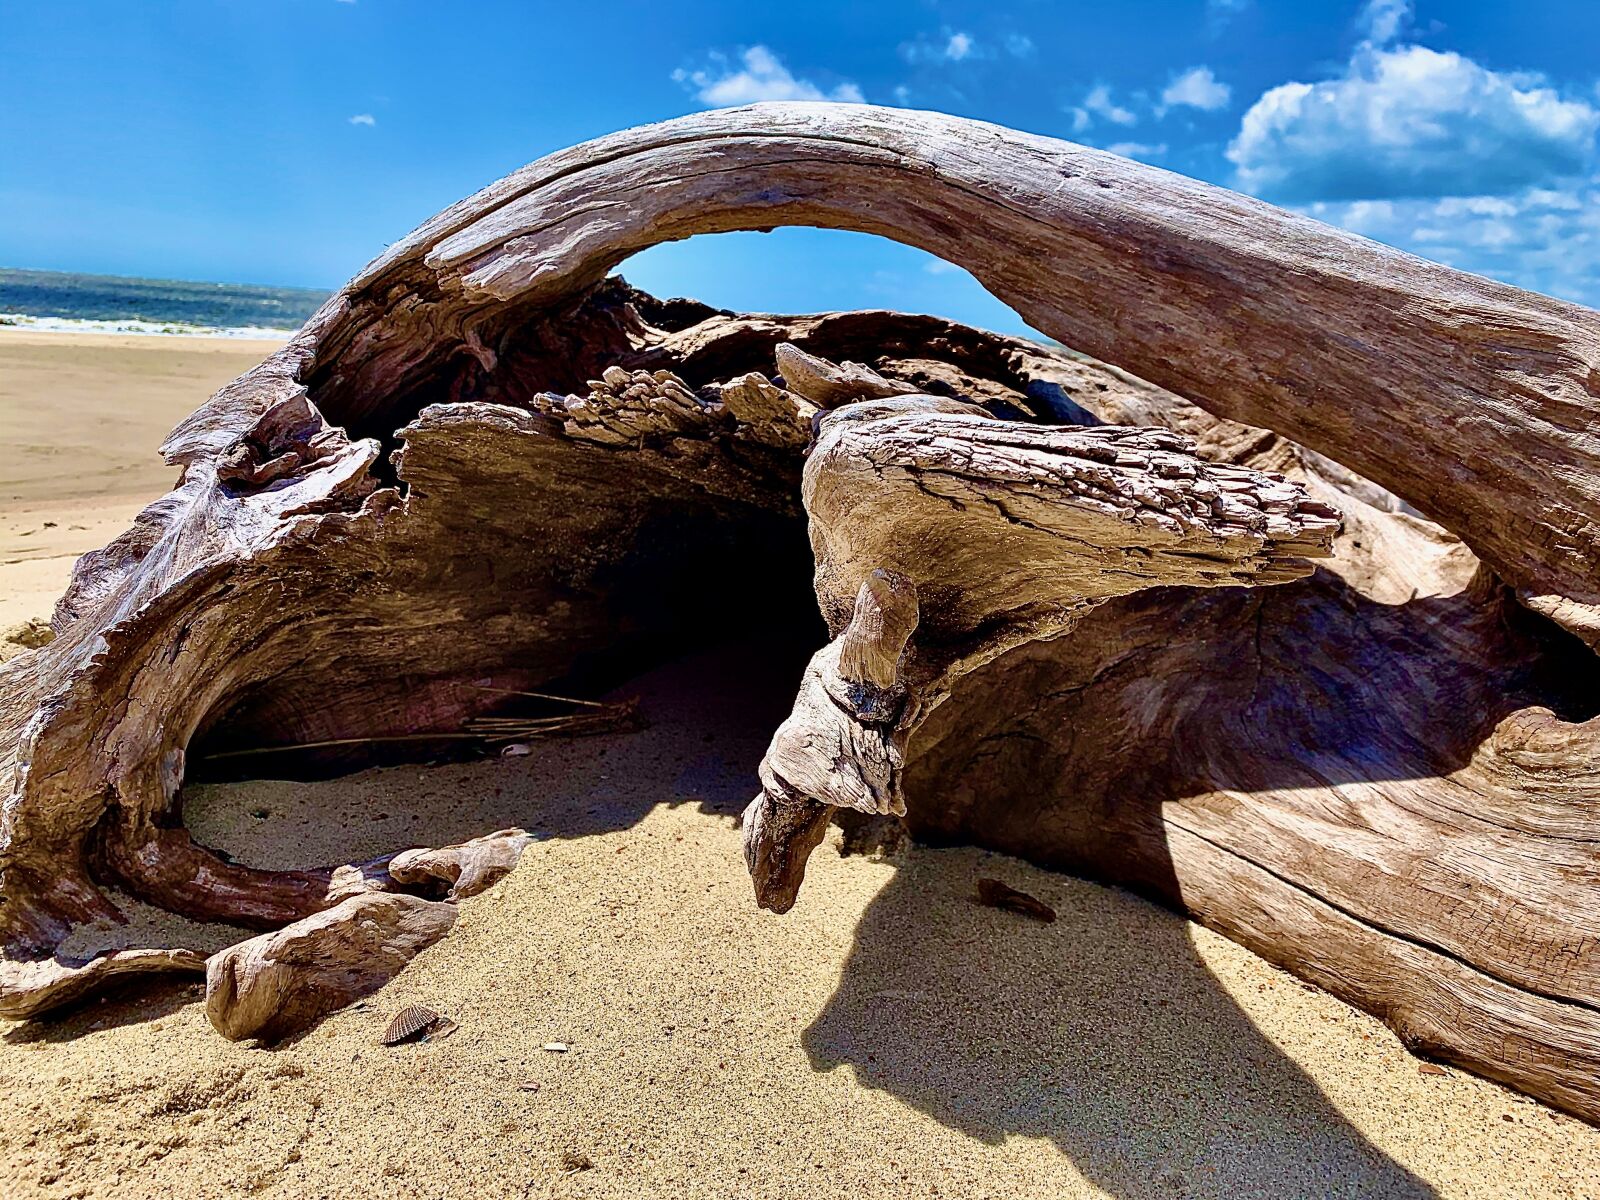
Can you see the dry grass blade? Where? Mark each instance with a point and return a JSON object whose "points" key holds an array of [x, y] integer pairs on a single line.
{"points": [[605, 717], [541, 696], [602, 718]]}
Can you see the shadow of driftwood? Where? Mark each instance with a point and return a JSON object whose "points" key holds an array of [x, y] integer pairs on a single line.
{"points": [[133, 1002], [1120, 1047], [707, 720], [1124, 1050]]}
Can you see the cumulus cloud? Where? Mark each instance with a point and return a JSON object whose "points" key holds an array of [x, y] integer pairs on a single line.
{"points": [[758, 75], [1408, 121], [1197, 88], [1488, 171], [363, 119], [1099, 104], [956, 45], [1381, 21], [1547, 239], [1368, 216]]}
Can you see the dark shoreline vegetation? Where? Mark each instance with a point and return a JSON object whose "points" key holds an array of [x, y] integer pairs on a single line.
{"points": [[187, 302]]}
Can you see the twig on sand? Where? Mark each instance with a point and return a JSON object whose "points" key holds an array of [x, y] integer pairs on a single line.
{"points": [[607, 717]]}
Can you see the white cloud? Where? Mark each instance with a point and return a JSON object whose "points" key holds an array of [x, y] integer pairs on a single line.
{"points": [[1099, 103], [1141, 150], [363, 118], [1381, 21], [1018, 45], [1407, 121], [1220, 12], [1368, 216], [761, 76], [1477, 206], [955, 45], [1197, 88], [1546, 239]]}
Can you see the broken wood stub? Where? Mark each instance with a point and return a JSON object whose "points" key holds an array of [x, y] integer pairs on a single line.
{"points": [[870, 648], [467, 869]]}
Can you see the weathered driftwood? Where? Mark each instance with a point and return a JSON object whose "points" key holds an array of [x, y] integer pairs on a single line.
{"points": [[38, 986], [944, 538], [1385, 776], [278, 984], [464, 870]]}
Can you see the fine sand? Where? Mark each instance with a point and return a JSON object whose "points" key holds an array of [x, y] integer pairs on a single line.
{"points": [[887, 1038], [81, 416]]}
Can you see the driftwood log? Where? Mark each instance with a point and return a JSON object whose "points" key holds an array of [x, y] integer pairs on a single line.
{"points": [[483, 465], [276, 984]]}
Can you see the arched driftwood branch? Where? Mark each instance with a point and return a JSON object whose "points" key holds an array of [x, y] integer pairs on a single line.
{"points": [[479, 465], [1433, 383]]}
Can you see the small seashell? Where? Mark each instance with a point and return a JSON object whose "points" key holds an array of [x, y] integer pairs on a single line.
{"points": [[529, 1085], [556, 1047], [516, 750], [408, 1023]]}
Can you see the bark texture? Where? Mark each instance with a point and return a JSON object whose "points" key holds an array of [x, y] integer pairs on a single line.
{"points": [[482, 466], [278, 984], [465, 870]]}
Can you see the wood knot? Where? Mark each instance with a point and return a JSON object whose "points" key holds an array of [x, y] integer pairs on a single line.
{"points": [[870, 648]]}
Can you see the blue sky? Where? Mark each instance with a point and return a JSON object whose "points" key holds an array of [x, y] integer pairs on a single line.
{"points": [[287, 141]]}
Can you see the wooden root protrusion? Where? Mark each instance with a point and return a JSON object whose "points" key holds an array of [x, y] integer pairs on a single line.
{"points": [[279, 984], [843, 746], [28, 989], [1013, 533]]}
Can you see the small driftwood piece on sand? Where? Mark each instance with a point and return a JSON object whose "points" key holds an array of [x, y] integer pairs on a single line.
{"points": [[278, 984], [993, 893], [43, 984], [466, 869], [483, 465]]}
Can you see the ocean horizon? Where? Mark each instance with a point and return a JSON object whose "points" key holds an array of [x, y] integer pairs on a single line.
{"points": [[71, 302]]}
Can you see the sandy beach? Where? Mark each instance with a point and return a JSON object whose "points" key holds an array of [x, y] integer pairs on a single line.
{"points": [[81, 416], [888, 1037]]}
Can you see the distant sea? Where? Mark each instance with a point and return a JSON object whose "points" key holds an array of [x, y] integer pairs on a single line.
{"points": [[56, 300]]}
